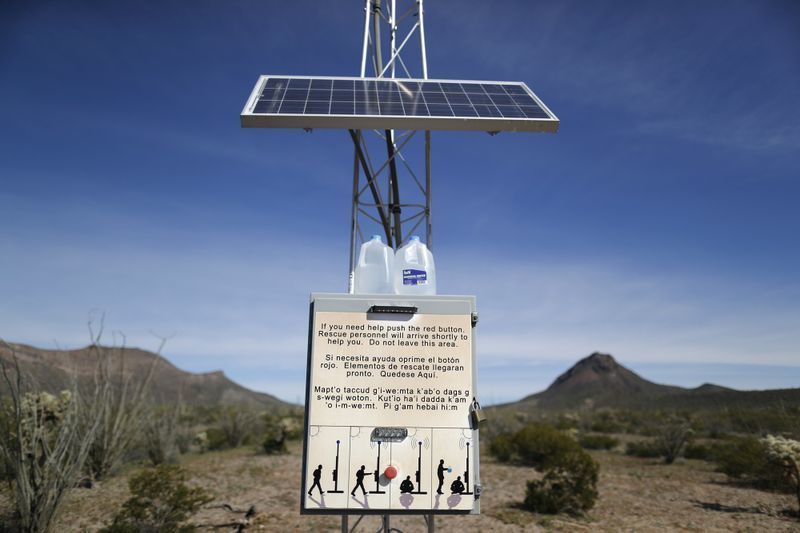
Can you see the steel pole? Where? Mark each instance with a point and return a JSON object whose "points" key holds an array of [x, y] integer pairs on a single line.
{"points": [[423, 52], [366, 39], [428, 225], [353, 224]]}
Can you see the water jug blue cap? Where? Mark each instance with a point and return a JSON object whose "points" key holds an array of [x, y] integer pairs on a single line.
{"points": [[415, 237], [377, 237]]}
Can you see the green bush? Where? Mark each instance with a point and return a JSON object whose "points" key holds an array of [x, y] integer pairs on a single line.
{"points": [[671, 439], [501, 421], [742, 457], [745, 459], [274, 445], [159, 435], [705, 451], [776, 420], [567, 421], [569, 487], [292, 426], [605, 422], [6, 470], [669, 443], [694, 450], [216, 439], [642, 448], [5, 475], [160, 502], [502, 447], [542, 446], [598, 442], [237, 424], [628, 422], [537, 445], [276, 433], [570, 474]]}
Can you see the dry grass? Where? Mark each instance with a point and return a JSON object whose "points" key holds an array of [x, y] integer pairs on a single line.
{"points": [[635, 495]]}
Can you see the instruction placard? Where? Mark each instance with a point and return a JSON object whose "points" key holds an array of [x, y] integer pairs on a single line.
{"points": [[389, 399], [412, 371]]}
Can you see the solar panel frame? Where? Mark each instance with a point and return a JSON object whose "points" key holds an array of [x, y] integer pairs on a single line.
{"points": [[380, 104]]}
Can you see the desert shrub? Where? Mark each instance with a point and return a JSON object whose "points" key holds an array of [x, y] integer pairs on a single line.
{"points": [[121, 417], [159, 438], [598, 442], [695, 450], [605, 422], [708, 451], [715, 425], [642, 448], [44, 443], [785, 453], [237, 425], [185, 437], [200, 441], [668, 443], [671, 440], [216, 439], [279, 428], [6, 471], [775, 420], [745, 459], [274, 443], [502, 447], [5, 474], [160, 501], [541, 446], [292, 426], [570, 474], [501, 421], [537, 445], [568, 487], [566, 421], [276, 433]]}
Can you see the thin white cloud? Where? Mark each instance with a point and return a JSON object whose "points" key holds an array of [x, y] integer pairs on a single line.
{"points": [[562, 310], [227, 304]]}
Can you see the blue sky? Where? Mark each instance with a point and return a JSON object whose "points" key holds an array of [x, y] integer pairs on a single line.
{"points": [[659, 225]]}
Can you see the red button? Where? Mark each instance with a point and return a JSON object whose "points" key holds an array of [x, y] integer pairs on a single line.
{"points": [[390, 472]]}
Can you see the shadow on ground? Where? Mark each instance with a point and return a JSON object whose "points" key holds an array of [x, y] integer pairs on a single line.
{"points": [[758, 509]]}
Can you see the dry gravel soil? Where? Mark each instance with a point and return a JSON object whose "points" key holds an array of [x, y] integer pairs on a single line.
{"points": [[635, 495]]}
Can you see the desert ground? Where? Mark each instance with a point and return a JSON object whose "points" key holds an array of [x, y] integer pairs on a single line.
{"points": [[635, 495]]}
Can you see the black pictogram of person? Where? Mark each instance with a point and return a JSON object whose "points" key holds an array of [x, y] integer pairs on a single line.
{"points": [[406, 486], [359, 481], [440, 474], [317, 477], [457, 487]]}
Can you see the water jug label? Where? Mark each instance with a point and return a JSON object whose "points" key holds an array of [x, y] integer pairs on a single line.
{"points": [[414, 277]]}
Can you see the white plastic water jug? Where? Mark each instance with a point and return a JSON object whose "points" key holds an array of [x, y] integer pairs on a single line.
{"points": [[373, 273], [414, 271]]}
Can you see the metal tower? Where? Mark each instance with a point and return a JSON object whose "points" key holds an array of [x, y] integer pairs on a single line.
{"points": [[377, 207], [386, 159]]}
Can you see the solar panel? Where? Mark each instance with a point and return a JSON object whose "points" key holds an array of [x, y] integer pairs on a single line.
{"points": [[356, 103]]}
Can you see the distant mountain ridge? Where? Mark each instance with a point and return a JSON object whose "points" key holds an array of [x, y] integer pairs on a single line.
{"points": [[52, 370], [600, 381]]}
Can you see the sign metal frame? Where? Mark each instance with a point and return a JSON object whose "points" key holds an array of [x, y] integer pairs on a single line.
{"points": [[426, 305]]}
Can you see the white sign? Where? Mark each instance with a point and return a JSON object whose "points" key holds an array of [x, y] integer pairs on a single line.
{"points": [[410, 373]]}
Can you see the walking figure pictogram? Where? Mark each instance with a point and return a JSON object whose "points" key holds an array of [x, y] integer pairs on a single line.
{"points": [[317, 477], [359, 481]]}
